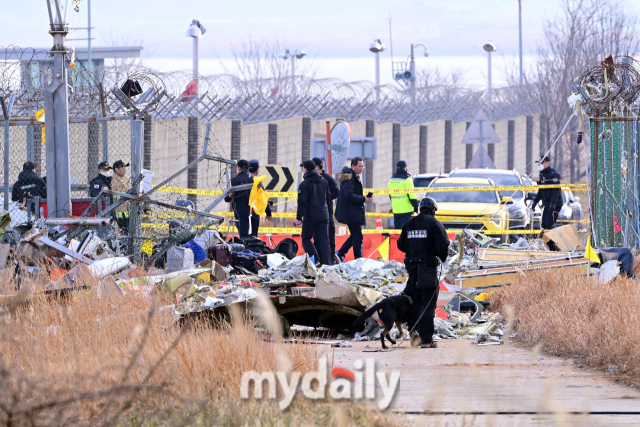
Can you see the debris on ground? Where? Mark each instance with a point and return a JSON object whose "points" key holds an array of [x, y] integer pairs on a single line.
{"points": [[200, 271]]}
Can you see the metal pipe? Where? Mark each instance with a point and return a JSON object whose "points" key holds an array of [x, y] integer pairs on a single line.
{"points": [[89, 222]]}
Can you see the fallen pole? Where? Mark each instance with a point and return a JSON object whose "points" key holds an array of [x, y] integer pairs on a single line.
{"points": [[89, 222]]}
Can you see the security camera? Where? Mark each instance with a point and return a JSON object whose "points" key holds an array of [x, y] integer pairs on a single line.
{"points": [[377, 46], [426, 53], [399, 76], [489, 47], [300, 54], [407, 75]]}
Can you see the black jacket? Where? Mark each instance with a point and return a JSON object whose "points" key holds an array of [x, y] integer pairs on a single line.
{"points": [[350, 207], [314, 198], [98, 183], [240, 200], [424, 240], [551, 197], [28, 185], [333, 190]]}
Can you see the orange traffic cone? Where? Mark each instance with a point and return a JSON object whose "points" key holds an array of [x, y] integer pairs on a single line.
{"points": [[378, 223]]}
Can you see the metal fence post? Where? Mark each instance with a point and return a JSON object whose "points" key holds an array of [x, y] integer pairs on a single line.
{"points": [[135, 223], [6, 111]]}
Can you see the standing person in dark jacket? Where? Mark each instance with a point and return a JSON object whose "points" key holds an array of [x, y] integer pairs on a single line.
{"points": [[240, 199], [254, 170], [314, 198], [333, 191], [425, 242], [28, 185], [102, 180], [350, 207], [551, 197]]}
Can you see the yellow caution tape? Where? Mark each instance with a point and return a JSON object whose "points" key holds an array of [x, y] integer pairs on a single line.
{"points": [[294, 230], [384, 191]]}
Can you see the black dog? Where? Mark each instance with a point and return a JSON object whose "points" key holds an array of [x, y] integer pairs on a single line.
{"points": [[395, 309]]}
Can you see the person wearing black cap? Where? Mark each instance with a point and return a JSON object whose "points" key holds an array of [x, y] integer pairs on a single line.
{"points": [[405, 204], [103, 180], [551, 197], [350, 207], [425, 244], [333, 191], [121, 184], [28, 186], [254, 169], [240, 200], [314, 198]]}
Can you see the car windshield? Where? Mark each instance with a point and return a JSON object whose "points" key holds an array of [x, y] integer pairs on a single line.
{"points": [[422, 182], [501, 181], [463, 196]]}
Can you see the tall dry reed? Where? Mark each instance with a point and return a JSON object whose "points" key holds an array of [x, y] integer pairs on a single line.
{"points": [[572, 316]]}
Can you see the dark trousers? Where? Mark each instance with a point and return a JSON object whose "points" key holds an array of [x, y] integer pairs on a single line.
{"points": [[332, 240], [401, 219], [318, 230], [425, 299], [549, 217], [354, 240], [243, 226], [255, 224]]}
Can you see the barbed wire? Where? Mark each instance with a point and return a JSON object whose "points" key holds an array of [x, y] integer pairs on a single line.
{"points": [[26, 72]]}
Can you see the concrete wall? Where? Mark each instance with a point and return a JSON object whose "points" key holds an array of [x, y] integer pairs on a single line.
{"points": [[435, 146], [255, 142], [458, 149]]}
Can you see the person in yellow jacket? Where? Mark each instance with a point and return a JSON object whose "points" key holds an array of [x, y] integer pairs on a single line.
{"points": [[403, 205]]}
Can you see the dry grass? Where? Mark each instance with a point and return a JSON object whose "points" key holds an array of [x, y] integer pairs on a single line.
{"points": [[105, 359], [570, 316]]}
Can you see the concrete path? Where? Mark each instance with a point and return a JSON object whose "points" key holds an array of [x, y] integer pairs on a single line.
{"points": [[494, 385]]}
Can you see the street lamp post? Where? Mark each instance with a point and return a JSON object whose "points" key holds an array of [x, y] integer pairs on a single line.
{"points": [[292, 55], [520, 37], [489, 47], [376, 47], [195, 30]]}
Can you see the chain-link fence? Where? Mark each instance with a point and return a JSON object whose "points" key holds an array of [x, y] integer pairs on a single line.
{"points": [[91, 141]]}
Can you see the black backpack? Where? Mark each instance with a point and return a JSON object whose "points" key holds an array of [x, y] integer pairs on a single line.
{"points": [[287, 247]]}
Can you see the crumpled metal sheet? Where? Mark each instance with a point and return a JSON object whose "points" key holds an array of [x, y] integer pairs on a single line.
{"points": [[367, 272], [299, 269]]}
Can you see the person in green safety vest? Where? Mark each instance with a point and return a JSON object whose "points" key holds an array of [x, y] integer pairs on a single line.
{"points": [[403, 205]]}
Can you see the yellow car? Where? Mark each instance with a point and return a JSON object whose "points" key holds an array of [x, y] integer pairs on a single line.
{"points": [[473, 210]]}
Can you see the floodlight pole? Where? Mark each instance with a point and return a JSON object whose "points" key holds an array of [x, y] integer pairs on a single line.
{"points": [[520, 35], [489, 82], [89, 57], [378, 79], [412, 82], [293, 76], [57, 119], [196, 63]]}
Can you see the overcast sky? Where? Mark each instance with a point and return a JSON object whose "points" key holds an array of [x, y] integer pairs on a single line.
{"points": [[336, 34]]}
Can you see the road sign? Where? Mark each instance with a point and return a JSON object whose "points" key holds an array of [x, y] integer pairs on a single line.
{"points": [[480, 131], [481, 160], [279, 178]]}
